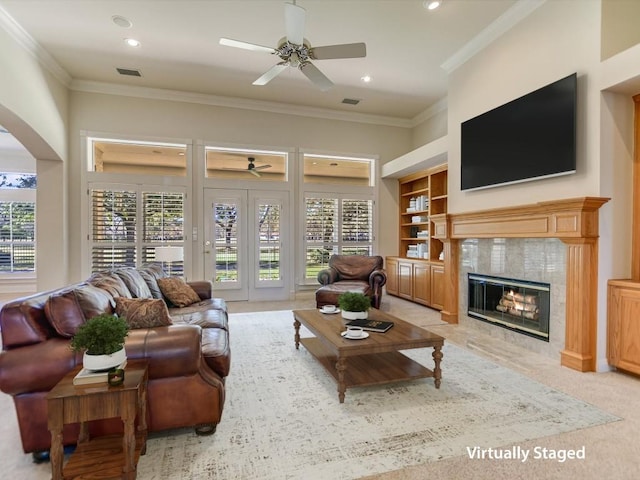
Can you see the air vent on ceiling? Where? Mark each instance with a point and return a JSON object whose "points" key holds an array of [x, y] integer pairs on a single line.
{"points": [[350, 101], [129, 71]]}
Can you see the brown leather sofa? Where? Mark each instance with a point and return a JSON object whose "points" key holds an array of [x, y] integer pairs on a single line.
{"points": [[188, 360], [351, 273]]}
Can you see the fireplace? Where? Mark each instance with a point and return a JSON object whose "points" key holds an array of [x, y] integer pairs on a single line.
{"points": [[518, 305]]}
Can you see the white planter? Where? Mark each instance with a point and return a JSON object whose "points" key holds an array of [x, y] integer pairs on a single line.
{"points": [[103, 362], [354, 315]]}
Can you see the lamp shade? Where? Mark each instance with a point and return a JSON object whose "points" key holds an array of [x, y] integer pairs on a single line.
{"points": [[169, 254]]}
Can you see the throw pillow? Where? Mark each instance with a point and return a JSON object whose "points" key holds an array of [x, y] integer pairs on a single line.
{"points": [[177, 291], [143, 312]]}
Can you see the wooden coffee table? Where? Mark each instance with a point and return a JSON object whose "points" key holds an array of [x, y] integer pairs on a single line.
{"points": [[371, 361]]}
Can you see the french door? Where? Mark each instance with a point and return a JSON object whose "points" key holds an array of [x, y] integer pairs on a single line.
{"points": [[245, 236]]}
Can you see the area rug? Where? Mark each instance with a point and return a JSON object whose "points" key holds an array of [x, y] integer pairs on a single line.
{"points": [[282, 418]]}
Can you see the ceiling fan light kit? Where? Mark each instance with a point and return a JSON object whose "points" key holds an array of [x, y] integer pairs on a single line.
{"points": [[296, 51]]}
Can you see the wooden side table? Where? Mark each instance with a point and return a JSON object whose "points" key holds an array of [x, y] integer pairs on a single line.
{"points": [[113, 456]]}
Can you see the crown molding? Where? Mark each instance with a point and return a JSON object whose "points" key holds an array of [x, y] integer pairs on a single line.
{"points": [[234, 102], [440, 106], [497, 28], [29, 44]]}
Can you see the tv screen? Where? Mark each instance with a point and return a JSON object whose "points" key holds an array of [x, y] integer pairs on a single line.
{"points": [[531, 137]]}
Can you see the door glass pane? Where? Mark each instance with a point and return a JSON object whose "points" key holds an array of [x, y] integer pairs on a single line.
{"points": [[269, 242], [226, 242]]}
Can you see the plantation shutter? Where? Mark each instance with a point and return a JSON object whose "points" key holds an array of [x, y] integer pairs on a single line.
{"points": [[17, 237], [127, 226], [113, 235], [357, 221]]}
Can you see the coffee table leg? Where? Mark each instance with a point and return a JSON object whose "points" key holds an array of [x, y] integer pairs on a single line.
{"points": [[437, 357], [296, 325], [340, 368]]}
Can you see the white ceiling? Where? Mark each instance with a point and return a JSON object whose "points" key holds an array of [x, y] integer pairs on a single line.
{"points": [[406, 46]]}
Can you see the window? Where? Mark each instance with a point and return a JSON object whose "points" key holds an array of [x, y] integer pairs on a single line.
{"points": [[129, 222], [17, 237], [17, 222], [235, 164], [137, 158], [335, 225], [333, 170]]}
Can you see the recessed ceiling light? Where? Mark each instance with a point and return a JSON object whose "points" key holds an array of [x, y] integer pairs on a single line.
{"points": [[132, 42], [366, 78], [121, 21], [431, 4]]}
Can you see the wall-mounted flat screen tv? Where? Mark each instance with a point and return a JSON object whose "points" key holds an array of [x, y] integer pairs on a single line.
{"points": [[529, 138]]}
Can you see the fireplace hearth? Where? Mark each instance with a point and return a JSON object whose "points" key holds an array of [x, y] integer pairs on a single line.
{"points": [[518, 305]]}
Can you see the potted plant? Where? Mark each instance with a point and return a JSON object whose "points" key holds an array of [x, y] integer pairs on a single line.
{"points": [[102, 339], [354, 305]]}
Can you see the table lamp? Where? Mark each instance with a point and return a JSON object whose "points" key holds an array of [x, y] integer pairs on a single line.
{"points": [[169, 255]]}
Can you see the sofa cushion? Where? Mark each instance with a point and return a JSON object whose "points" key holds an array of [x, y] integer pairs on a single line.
{"points": [[202, 318], [93, 301], [143, 312], [110, 282], [177, 291], [64, 313], [136, 285], [151, 273]]}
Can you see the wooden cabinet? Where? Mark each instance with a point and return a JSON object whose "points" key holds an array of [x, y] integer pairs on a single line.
{"points": [[417, 273], [391, 268], [437, 286], [623, 325]]}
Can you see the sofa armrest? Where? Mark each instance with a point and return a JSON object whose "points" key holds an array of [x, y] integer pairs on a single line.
{"points": [[327, 276], [377, 279], [203, 288], [38, 367]]}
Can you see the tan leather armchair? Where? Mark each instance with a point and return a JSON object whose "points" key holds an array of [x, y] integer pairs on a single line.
{"points": [[351, 273]]}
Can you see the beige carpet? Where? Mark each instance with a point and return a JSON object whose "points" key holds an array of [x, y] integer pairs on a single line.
{"points": [[282, 418]]}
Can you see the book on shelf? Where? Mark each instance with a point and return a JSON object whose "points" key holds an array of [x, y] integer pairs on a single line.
{"points": [[86, 376], [371, 325]]}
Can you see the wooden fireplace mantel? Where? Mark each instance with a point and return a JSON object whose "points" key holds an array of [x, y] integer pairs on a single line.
{"points": [[575, 222]]}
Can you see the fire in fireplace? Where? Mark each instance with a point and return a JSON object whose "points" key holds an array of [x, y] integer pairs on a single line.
{"points": [[519, 305]]}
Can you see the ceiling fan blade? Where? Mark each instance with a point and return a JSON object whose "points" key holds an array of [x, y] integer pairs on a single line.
{"points": [[316, 76], [247, 46], [294, 19], [347, 50], [253, 172], [272, 73], [261, 167]]}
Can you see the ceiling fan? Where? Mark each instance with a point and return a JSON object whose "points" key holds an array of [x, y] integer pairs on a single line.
{"points": [[295, 51], [251, 167]]}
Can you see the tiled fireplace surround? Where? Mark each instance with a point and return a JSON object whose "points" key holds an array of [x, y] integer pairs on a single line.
{"points": [[554, 242], [531, 259]]}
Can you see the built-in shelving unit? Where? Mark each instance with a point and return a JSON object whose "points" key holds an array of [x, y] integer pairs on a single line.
{"points": [[417, 273]]}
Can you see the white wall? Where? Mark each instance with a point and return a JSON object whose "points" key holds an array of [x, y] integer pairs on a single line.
{"points": [[173, 119], [33, 108]]}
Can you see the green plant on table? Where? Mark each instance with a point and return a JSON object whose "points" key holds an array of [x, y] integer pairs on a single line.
{"points": [[354, 302], [103, 334]]}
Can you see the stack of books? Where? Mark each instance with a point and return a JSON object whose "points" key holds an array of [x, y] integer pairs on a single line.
{"points": [[86, 376]]}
